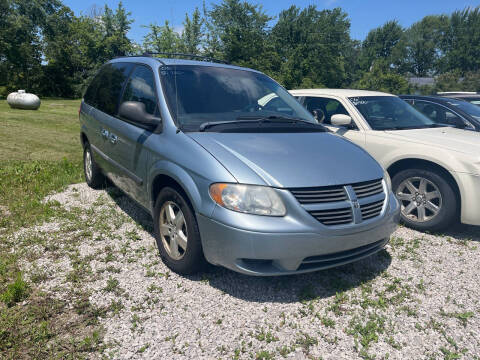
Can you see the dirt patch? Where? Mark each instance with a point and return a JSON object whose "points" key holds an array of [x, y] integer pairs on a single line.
{"points": [[4, 211]]}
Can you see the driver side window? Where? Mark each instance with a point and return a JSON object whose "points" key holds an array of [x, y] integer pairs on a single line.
{"points": [[141, 87]]}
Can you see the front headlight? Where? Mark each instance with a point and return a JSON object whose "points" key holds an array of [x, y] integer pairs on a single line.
{"points": [[388, 181], [249, 199]]}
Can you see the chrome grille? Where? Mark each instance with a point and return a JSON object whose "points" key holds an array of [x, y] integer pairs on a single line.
{"points": [[333, 216], [371, 210], [368, 188], [343, 204], [320, 195]]}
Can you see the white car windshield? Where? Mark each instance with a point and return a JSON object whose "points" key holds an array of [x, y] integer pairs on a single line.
{"points": [[197, 94], [390, 113]]}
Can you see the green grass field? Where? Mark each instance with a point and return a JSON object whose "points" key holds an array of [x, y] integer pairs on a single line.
{"points": [[40, 153], [50, 133]]}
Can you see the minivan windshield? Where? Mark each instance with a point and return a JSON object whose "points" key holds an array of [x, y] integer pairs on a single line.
{"points": [[198, 94], [390, 113]]}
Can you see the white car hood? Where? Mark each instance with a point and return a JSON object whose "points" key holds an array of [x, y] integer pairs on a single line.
{"points": [[464, 141]]}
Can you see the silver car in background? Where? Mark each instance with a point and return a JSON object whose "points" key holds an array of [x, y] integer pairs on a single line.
{"points": [[252, 185]]}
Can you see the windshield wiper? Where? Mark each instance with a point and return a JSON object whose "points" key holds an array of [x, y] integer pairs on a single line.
{"points": [[258, 120], [210, 124], [275, 117]]}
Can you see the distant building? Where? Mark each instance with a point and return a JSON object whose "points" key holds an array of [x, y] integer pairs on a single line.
{"points": [[421, 81]]}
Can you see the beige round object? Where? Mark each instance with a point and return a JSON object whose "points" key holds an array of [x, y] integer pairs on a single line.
{"points": [[23, 100]]}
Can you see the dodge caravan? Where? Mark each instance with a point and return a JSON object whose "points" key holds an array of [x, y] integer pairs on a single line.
{"points": [[259, 189]]}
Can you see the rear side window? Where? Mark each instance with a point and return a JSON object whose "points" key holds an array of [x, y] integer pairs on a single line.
{"points": [[141, 87], [105, 89]]}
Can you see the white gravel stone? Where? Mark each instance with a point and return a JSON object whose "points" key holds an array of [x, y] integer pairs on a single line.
{"points": [[415, 294]]}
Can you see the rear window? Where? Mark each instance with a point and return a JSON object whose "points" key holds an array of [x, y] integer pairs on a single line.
{"points": [[104, 90]]}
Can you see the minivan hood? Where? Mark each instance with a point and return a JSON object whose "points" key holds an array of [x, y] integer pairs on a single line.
{"points": [[290, 159], [463, 141]]}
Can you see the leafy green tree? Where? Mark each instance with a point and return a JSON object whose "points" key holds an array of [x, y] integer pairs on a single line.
{"points": [[238, 31], [461, 43], [455, 81], [312, 46], [423, 42], [21, 44], [353, 70], [192, 36], [379, 79], [5, 13], [74, 47], [115, 26], [162, 39], [471, 81], [60, 56], [46, 49], [449, 81], [384, 46]]}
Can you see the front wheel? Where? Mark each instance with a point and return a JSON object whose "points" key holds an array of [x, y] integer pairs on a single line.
{"points": [[427, 199], [177, 234]]}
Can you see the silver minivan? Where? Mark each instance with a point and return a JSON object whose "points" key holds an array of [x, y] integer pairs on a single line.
{"points": [[233, 170]]}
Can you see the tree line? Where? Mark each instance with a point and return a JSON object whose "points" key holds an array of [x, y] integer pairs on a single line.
{"points": [[47, 49]]}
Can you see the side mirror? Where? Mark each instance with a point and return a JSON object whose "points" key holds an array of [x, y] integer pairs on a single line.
{"points": [[341, 120], [319, 115], [135, 111]]}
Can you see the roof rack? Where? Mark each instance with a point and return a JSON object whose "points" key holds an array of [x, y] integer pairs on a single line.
{"points": [[183, 55]]}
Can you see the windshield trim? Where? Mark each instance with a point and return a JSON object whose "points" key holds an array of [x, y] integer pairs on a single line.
{"points": [[164, 94]]}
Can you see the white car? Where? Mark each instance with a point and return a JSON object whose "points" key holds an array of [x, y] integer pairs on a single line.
{"points": [[435, 169]]}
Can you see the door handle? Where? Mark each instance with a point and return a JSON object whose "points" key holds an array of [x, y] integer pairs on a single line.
{"points": [[113, 138], [104, 133]]}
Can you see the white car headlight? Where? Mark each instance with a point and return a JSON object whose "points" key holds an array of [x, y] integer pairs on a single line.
{"points": [[249, 199], [388, 181]]}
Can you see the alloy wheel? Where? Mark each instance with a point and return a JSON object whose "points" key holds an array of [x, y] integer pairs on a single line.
{"points": [[420, 198], [173, 230]]}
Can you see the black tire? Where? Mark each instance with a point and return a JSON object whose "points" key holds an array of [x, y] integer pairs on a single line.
{"points": [[448, 212], [95, 178], [192, 260]]}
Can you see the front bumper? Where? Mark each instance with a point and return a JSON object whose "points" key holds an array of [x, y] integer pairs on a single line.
{"points": [[282, 253], [470, 193]]}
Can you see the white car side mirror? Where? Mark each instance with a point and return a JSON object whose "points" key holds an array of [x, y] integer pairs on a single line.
{"points": [[340, 120]]}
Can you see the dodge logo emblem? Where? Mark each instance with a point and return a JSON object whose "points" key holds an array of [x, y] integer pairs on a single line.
{"points": [[356, 204]]}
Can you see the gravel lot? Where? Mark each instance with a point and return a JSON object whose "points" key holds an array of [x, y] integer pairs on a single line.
{"points": [[417, 299]]}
